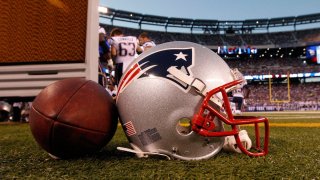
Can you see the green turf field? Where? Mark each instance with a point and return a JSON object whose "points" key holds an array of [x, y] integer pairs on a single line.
{"points": [[294, 153]]}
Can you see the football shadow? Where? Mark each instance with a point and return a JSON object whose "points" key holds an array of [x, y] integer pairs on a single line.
{"points": [[110, 152]]}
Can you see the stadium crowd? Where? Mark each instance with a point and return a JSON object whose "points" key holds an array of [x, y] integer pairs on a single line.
{"points": [[264, 66], [302, 96], [212, 38]]}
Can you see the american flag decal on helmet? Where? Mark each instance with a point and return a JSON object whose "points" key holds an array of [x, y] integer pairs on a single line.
{"points": [[129, 129]]}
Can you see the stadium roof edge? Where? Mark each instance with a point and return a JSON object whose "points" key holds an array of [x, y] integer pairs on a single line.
{"points": [[219, 25]]}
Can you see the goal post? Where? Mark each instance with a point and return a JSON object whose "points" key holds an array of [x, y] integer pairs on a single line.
{"points": [[288, 99]]}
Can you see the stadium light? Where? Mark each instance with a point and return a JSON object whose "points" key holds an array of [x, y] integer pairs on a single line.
{"points": [[103, 9]]}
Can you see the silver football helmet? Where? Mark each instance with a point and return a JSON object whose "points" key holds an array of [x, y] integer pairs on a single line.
{"points": [[173, 101]]}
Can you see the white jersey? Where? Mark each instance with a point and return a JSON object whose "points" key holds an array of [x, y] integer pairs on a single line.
{"points": [[148, 44], [237, 93], [126, 49]]}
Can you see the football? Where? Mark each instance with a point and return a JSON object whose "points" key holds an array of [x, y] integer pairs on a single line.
{"points": [[73, 117]]}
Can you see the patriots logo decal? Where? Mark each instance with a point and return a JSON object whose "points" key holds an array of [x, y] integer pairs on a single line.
{"points": [[156, 65]]}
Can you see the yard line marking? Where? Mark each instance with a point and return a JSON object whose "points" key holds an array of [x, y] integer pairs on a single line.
{"points": [[294, 117], [296, 124]]}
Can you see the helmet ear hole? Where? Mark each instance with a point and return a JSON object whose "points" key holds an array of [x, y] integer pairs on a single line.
{"points": [[183, 126]]}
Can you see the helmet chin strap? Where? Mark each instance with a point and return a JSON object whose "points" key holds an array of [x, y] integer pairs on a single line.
{"points": [[139, 153]]}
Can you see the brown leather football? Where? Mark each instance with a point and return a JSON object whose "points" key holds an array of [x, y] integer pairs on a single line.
{"points": [[73, 117]]}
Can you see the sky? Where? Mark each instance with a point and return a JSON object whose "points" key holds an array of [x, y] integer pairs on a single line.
{"points": [[217, 9]]}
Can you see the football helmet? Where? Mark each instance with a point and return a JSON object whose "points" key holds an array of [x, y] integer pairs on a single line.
{"points": [[5, 110], [173, 101]]}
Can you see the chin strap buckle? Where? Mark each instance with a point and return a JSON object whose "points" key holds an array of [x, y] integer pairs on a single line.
{"points": [[139, 153], [200, 122]]}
